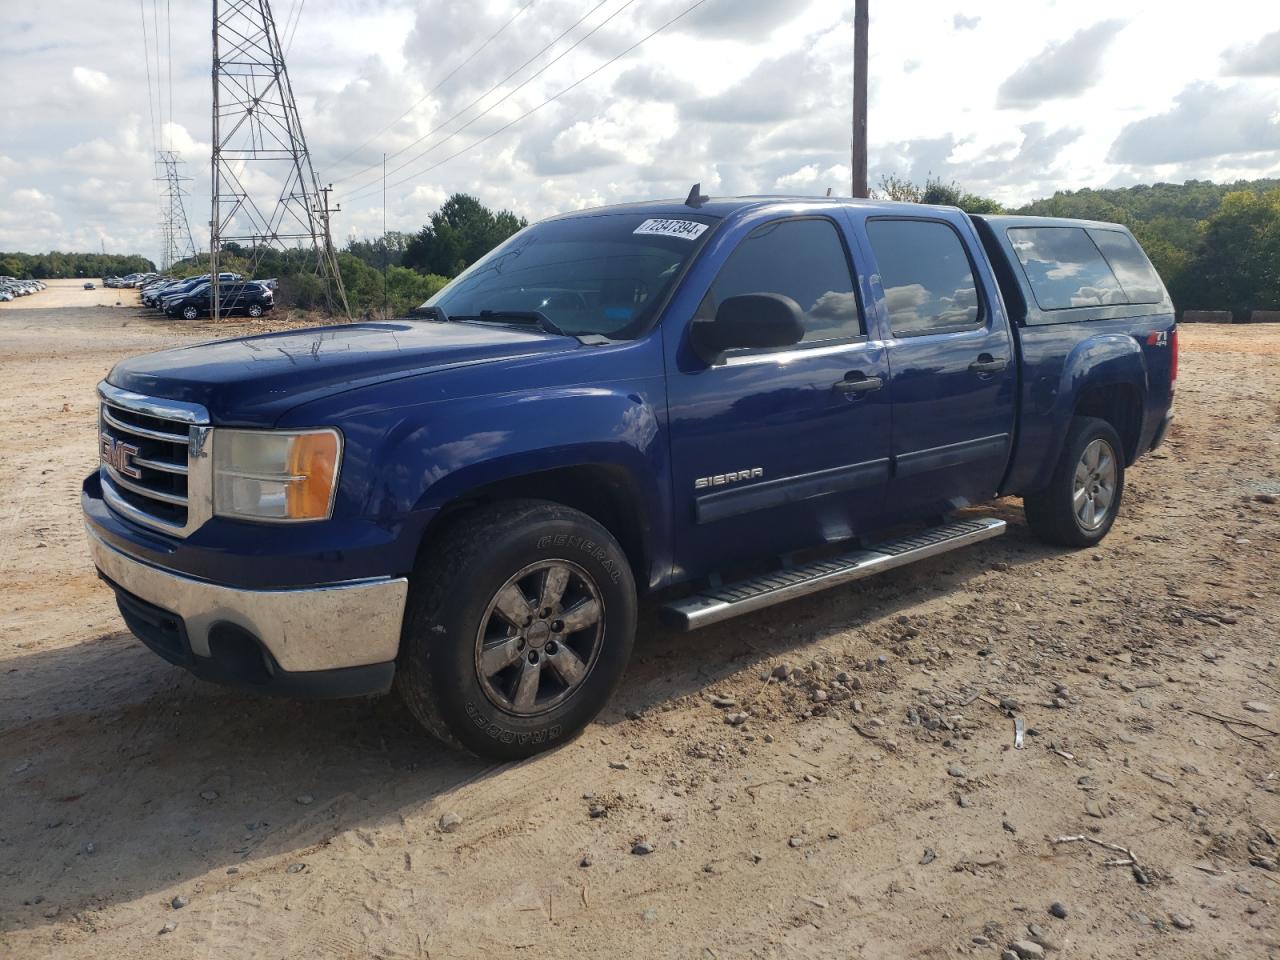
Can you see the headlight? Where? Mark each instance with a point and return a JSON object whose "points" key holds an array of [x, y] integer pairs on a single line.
{"points": [[275, 475]]}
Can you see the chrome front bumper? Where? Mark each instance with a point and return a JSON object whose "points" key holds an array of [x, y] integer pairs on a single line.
{"points": [[327, 627]]}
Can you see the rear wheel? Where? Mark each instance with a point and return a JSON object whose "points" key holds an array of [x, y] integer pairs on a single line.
{"points": [[1080, 503], [255, 310], [519, 626]]}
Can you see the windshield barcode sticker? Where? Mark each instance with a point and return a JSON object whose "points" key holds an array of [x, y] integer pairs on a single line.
{"points": [[685, 229]]}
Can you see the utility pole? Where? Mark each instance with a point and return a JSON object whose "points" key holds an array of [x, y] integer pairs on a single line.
{"points": [[258, 139], [861, 20], [385, 299]]}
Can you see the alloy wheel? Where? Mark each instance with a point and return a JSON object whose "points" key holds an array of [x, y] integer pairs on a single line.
{"points": [[1094, 490], [539, 637]]}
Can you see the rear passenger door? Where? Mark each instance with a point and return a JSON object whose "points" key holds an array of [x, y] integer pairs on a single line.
{"points": [[953, 371]]}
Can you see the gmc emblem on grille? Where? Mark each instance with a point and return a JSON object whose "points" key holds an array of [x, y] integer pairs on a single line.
{"points": [[118, 455]]}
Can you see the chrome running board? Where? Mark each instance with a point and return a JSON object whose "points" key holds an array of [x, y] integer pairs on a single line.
{"points": [[730, 600]]}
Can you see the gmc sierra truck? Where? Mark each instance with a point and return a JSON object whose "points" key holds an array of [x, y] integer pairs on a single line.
{"points": [[714, 404]]}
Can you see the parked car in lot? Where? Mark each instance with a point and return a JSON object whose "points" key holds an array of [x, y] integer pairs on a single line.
{"points": [[236, 298], [155, 294], [719, 405], [20, 288]]}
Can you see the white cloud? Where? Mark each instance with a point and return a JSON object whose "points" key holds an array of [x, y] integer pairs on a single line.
{"points": [[747, 96], [1062, 69], [29, 198], [1259, 59], [1206, 121], [93, 82]]}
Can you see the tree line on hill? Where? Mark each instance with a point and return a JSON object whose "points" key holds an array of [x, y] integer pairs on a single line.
{"points": [[56, 264], [1217, 246]]}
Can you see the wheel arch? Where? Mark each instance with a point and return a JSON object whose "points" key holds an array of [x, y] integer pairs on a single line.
{"points": [[1120, 404], [1104, 376], [608, 493]]}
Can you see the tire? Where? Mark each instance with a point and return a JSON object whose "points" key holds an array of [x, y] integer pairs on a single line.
{"points": [[190, 313], [255, 310], [461, 606], [1055, 514]]}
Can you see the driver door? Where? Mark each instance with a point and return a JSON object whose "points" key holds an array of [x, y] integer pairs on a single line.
{"points": [[772, 449]]}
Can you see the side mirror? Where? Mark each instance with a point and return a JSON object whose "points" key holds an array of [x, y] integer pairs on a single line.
{"points": [[754, 320]]}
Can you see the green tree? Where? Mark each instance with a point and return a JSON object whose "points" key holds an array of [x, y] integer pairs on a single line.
{"points": [[389, 249], [56, 264], [893, 187], [935, 191], [1237, 263], [461, 232]]}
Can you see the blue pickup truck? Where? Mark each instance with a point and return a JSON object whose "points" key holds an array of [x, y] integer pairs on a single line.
{"points": [[713, 405]]}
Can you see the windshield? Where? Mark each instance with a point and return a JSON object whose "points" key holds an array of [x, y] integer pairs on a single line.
{"points": [[602, 275]]}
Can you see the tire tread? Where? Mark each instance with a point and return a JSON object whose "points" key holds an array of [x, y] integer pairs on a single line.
{"points": [[445, 557]]}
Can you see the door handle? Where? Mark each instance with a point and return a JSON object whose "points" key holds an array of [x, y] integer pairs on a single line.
{"points": [[855, 381], [986, 363]]}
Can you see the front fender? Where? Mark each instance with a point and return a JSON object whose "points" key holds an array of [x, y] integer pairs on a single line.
{"points": [[442, 452]]}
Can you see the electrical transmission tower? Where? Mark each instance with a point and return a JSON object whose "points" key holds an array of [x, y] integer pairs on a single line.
{"points": [[265, 193], [175, 232]]}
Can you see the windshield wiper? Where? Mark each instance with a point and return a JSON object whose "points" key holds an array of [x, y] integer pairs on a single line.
{"points": [[536, 317]]}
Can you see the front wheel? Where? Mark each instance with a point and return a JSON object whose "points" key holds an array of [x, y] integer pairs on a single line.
{"points": [[519, 625], [190, 313], [1080, 503]]}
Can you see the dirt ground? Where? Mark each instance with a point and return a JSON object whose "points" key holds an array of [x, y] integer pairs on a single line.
{"points": [[873, 805]]}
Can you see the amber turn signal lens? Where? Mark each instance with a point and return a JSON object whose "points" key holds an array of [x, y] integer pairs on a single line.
{"points": [[313, 464]]}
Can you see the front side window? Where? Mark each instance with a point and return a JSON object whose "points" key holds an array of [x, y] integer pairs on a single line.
{"points": [[602, 275], [801, 259], [926, 275], [1065, 268]]}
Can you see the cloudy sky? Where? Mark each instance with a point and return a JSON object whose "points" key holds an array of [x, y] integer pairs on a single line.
{"points": [[1012, 99]]}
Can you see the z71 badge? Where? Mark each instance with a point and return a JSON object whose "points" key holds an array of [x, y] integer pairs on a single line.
{"points": [[733, 476]]}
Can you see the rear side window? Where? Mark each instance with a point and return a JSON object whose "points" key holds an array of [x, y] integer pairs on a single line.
{"points": [[1137, 276], [1065, 268], [801, 259], [927, 278]]}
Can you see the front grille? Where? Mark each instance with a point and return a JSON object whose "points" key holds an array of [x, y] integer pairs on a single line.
{"points": [[160, 489], [155, 465]]}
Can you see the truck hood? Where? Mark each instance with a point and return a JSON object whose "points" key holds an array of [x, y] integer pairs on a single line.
{"points": [[252, 381]]}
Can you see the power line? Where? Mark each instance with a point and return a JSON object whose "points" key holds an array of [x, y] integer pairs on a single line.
{"points": [[288, 17], [146, 57], [294, 29], [168, 54], [478, 99], [155, 39], [449, 76], [485, 139]]}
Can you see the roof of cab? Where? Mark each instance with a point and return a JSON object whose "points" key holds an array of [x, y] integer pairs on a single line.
{"points": [[720, 207]]}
